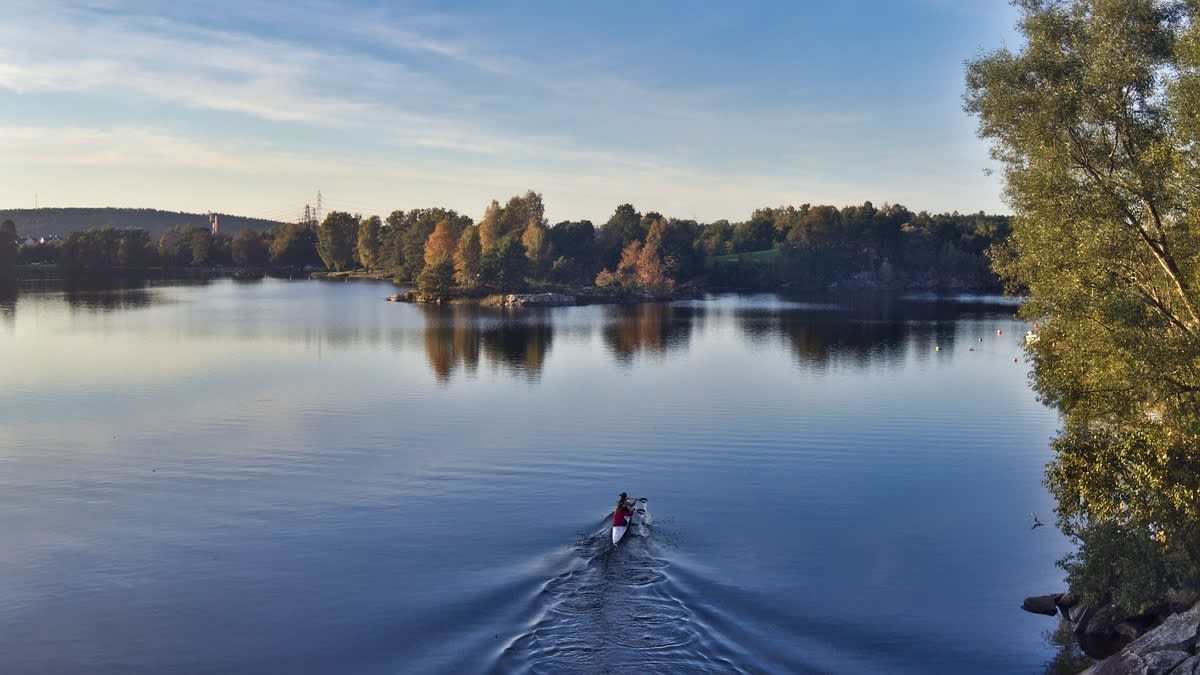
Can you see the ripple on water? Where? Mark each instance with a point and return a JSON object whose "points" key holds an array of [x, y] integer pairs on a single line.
{"points": [[614, 609]]}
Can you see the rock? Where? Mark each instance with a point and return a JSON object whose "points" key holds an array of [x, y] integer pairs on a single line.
{"points": [[537, 299], [1041, 604], [1178, 632], [1101, 621], [1165, 661], [1164, 649], [1066, 600], [1128, 630], [1190, 666], [1124, 663]]}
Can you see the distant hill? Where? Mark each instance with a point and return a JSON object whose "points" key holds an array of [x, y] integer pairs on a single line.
{"points": [[44, 222]]}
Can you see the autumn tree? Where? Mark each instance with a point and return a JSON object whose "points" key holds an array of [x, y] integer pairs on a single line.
{"points": [[624, 226], [489, 226], [1094, 122], [640, 268], [438, 274], [537, 248]]}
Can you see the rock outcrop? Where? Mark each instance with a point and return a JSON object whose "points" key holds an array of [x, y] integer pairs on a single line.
{"points": [[537, 300], [1169, 648]]}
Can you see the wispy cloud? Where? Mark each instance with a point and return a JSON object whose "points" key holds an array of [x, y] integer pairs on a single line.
{"points": [[387, 94]]}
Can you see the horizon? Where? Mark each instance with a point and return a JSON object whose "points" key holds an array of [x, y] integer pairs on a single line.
{"points": [[708, 113]]}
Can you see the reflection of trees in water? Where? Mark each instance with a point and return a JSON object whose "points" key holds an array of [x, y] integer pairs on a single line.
{"points": [[869, 331], [818, 339], [457, 335], [653, 327], [117, 296], [8, 302], [1070, 658]]}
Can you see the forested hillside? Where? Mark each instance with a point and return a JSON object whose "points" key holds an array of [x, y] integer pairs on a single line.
{"points": [[44, 222]]}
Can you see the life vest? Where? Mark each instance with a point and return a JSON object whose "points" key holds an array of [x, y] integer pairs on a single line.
{"points": [[621, 516]]}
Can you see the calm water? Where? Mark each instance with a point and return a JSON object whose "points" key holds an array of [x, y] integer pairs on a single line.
{"points": [[302, 478]]}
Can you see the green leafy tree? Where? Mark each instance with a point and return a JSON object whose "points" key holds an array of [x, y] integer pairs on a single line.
{"points": [[504, 267], [199, 245], [1095, 124], [336, 240], [369, 242], [248, 249], [624, 226], [295, 245]]}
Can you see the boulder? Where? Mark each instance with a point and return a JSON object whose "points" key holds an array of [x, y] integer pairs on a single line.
{"points": [[1167, 648], [1041, 604]]}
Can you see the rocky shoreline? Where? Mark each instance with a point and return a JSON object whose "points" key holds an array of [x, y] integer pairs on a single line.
{"points": [[1158, 641]]}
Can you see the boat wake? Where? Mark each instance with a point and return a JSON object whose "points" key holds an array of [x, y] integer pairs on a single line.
{"points": [[614, 609]]}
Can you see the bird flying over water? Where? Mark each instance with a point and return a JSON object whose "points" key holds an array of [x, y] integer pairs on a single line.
{"points": [[1036, 523]]}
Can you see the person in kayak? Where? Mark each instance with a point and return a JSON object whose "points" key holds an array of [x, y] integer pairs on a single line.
{"points": [[623, 511]]}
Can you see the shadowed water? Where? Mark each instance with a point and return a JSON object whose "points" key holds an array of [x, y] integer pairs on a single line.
{"points": [[300, 477]]}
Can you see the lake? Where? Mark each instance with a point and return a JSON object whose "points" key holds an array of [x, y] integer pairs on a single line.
{"points": [[299, 477]]}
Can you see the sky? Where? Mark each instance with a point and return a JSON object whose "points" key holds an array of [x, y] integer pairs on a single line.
{"points": [[692, 109]]}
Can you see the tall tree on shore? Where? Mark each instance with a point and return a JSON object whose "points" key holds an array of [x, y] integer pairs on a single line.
{"points": [[489, 227], [336, 239], [438, 274], [295, 245], [248, 248], [8, 247], [623, 227], [467, 258], [369, 242], [1095, 124]]}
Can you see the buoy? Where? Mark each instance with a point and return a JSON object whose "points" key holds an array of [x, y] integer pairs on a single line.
{"points": [[938, 348], [999, 331]]}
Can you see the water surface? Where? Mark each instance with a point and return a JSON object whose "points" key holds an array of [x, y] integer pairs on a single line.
{"points": [[300, 477]]}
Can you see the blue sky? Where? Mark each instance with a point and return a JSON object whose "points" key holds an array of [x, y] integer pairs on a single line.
{"points": [[697, 110]]}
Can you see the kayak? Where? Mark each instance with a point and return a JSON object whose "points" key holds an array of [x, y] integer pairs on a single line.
{"points": [[618, 531]]}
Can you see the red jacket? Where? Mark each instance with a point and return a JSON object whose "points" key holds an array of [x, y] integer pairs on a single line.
{"points": [[621, 516]]}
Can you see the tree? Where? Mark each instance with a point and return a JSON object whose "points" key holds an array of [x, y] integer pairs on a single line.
{"points": [[441, 244], [185, 245], [8, 247], [624, 226], [295, 245], [336, 239], [369, 242], [537, 249], [505, 265], [1095, 125], [640, 268], [467, 258], [489, 226], [248, 249]]}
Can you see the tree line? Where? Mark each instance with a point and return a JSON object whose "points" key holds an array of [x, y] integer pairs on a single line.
{"points": [[513, 247]]}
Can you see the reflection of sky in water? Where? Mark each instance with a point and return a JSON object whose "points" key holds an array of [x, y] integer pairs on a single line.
{"points": [[265, 447]]}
